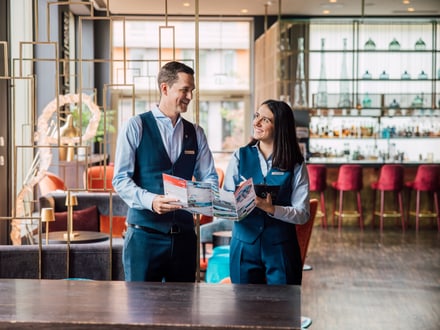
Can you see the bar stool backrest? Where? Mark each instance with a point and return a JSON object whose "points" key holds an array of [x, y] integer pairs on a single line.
{"points": [[427, 178], [391, 177], [349, 178], [317, 177]]}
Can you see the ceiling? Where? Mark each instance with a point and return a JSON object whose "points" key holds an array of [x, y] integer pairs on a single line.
{"points": [[380, 8]]}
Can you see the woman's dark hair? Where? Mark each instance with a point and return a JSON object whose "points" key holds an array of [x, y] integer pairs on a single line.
{"points": [[169, 72], [286, 150]]}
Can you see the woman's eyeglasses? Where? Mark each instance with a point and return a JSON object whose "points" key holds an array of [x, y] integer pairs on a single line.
{"points": [[265, 120]]}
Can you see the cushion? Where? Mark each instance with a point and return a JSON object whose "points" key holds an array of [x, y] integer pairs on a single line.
{"points": [[118, 224], [86, 219]]}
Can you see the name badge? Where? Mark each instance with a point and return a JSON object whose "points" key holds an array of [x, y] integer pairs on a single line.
{"points": [[190, 152], [277, 173]]}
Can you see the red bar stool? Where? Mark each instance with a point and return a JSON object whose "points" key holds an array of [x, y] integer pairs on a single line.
{"points": [[427, 181], [318, 184], [391, 180], [349, 179]]}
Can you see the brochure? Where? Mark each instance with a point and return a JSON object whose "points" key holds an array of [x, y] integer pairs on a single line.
{"points": [[200, 198], [194, 196]]}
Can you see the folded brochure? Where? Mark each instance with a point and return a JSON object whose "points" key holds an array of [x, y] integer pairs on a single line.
{"points": [[200, 198]]}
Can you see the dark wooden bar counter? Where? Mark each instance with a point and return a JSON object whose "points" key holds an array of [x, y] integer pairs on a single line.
{"points": [[73, 304]]}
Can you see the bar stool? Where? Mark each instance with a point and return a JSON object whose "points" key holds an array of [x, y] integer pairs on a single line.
{"points": [[349, 179], [318, 184], [426, 180], [391, 180]]}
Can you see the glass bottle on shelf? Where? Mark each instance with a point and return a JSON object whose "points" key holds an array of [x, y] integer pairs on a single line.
{"points": [[420, 44], [347, 151], [393, 107], [300, 98], [422, 75], [370, 44], [384, 75], [394, 104], [321, 99], [394, 45], [366, 102], [366, 75], [417, 102], [344, 88], [405, 75]]}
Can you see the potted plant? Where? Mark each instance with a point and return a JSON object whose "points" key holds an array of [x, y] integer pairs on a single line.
{"points": [[105, 126]]}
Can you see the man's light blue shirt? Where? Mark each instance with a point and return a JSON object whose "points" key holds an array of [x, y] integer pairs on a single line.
{"points": [[172, 138]]}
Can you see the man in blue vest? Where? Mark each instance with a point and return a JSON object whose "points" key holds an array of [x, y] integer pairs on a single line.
{"points": [[160, 243]]}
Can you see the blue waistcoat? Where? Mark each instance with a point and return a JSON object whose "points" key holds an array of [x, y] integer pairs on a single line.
{"points": [[151, 161], [257, 222]]}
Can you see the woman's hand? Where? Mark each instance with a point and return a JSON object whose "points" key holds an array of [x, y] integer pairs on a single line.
{"points": [[265, 204]]}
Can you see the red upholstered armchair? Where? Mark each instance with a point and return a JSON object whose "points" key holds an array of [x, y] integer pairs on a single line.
{"points": [[304, 231], [50, 182], [99, 178]]}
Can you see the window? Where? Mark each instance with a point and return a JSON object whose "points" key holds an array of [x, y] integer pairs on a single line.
{"points": [[224, 74]]}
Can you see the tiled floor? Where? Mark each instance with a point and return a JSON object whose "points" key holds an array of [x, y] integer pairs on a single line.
{"points": [[364, 280]]}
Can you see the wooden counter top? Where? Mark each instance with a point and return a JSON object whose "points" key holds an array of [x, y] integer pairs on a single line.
{"points": [[73, 304]]}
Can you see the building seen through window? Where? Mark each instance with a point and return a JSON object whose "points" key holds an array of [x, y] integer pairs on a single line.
{"points": [[224, 74]]}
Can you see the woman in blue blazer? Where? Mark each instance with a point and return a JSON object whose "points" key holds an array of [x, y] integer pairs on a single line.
{"points": [[264, 246]]}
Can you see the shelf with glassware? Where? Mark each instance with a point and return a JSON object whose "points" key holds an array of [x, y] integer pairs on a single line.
{"points": [[357, 69], [400, 72], [331, 55], [394, 91], [377, 110], [372, 124], [378, 131]]}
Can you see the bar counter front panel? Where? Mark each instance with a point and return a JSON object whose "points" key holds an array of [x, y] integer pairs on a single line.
{"points": [[75, 304]]}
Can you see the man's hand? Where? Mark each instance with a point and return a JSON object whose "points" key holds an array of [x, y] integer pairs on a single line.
{"points": [[163, 204]]}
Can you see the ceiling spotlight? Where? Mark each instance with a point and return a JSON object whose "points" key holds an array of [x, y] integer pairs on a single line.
{"points": [[186, 4], [244, 11], [406, 2], [332, 1], [411, 9], [326, 12]]}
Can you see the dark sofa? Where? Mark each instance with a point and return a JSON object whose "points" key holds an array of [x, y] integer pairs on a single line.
{"points": [[105, 203], [85, 200], [95, 261]]}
